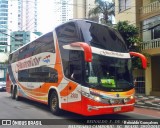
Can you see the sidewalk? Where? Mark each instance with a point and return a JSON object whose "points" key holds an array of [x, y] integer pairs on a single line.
{"points": [[150, 102]]}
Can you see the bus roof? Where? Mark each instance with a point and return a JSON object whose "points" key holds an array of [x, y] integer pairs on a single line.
{"points": [[75, 21], [29, 43]]}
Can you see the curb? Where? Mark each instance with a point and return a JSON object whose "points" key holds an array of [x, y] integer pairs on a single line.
{"points": [[146, 107], [147, 102]]}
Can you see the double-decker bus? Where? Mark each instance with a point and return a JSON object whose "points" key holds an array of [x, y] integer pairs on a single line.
{"points": [[81, 66]]}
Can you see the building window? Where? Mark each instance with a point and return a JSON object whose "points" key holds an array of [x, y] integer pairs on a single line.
{"points": [[155, 32], [151, 28], [124, 5]]}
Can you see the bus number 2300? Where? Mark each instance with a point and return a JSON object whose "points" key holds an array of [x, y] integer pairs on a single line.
{"points": [[74, 95]]}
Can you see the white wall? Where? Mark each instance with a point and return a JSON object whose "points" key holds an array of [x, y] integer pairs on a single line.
{"points": [[1, 73], [3, 57]]}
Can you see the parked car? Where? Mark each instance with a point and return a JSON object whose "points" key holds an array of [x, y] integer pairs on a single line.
{"points": [[2, 86]]}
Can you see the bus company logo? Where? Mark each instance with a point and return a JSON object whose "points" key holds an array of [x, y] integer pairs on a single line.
{"points": [[46, 59], [27, 63], [106, 53]]}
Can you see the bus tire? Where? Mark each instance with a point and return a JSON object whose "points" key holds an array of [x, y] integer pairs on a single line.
{"points": [[54, 104], [16, 93], [12, 93]]}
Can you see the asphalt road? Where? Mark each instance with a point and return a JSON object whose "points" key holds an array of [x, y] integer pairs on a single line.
{"points": [[26, 109]]}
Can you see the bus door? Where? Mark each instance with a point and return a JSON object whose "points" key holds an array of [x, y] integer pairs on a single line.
{"points": [[74, 72], [72, 62]]}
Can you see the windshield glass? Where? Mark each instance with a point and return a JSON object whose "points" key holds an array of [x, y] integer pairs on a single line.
{"points": [[101, 36], [106, 73]]}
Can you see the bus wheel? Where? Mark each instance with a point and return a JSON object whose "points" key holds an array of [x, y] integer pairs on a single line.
{"points": [[12, 94], [16, 93], [54, 103]]}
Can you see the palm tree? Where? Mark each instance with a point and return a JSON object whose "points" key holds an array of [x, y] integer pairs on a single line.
{"points": [[105, 8]]}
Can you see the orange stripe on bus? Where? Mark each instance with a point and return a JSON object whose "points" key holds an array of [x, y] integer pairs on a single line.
{"points": [[31, 91], [127, 93], [58, 65], [68, 89]]}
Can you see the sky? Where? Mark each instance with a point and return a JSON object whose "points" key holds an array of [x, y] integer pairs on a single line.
{"points": [[46, 18]]}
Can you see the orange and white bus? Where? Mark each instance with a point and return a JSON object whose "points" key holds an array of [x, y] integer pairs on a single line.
{"points": [[81, 66]]}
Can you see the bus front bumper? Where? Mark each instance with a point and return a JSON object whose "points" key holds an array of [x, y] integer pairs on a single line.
{"points": [[90, 107]]}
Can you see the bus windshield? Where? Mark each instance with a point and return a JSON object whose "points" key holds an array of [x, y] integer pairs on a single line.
{"points": [[102, 36], [106, 73]]}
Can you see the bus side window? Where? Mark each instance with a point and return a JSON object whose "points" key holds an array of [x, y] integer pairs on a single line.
{"points": [[75, 65], [24, 52], [39, 74], [66, 34], [53, 76], [15, 56], [44, 44]]}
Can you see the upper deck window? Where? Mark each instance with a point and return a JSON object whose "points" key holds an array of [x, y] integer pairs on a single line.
{"points": [[101, 36], [67, 33], [40, 45]]}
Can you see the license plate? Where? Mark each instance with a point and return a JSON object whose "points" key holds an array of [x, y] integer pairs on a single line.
{"points": [[116, 109]]}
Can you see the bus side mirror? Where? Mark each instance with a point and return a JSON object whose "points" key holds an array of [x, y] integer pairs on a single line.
{"points": [[86, 48], [142, 57]]}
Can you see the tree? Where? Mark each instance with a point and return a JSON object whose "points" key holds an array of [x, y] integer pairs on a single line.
{"points": [[130, 36], [105, 8]]}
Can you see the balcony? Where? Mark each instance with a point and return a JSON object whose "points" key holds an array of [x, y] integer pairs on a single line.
{"points": [[150, 10], [150, 44]]}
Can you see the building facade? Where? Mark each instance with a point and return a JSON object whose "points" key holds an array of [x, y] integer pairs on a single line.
{"points": [[145, 14], [62, 11], [3, 38], [21, 38], [23, 15], [3, 25], [15, 15], [81, 8], [65, 10]]}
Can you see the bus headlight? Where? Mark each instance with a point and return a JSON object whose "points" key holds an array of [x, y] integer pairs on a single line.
{"points": [[96, 98], [93, 97], [128, 99], [131, 97]]}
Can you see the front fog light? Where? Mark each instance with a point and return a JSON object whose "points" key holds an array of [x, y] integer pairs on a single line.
{"points": [[111, 101]]}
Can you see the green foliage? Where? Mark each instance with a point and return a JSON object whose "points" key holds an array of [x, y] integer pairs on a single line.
{"points": [[103, 7], [136, 62], [130, 36]]}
